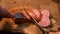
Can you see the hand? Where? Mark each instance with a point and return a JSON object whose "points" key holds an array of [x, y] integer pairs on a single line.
{"points": [[41, 16], [35, 13]]}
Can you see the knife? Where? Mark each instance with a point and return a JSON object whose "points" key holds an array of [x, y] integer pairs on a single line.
{"points": [[33, 19]]}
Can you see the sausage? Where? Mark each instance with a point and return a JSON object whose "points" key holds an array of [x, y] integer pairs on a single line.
{"points": [[45, 21], [33, 13]]}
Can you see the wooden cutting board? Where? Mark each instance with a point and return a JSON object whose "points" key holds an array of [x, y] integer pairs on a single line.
{"points": [[39, 4]]}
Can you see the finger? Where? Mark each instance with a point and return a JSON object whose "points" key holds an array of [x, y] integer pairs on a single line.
{"points": [[25, 14], [31, 13], [38, 14], [11, 21]]}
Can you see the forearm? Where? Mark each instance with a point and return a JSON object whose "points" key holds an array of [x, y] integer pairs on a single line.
{"points": [[2, 22], [12, 23]]}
